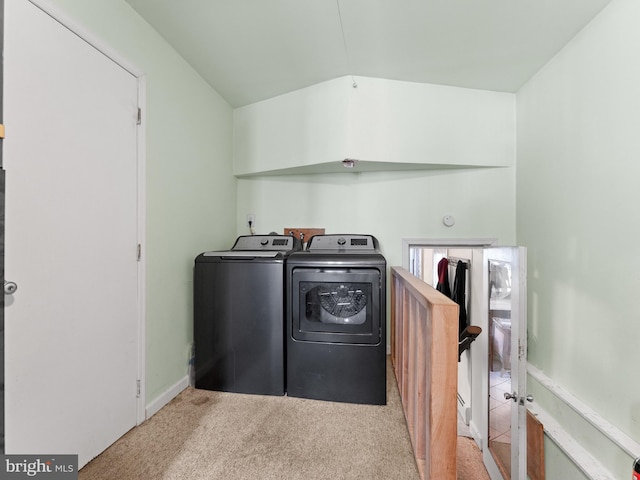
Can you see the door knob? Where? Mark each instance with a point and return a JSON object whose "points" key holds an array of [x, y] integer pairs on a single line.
{"points": [[514, 396], [10, 288], [511, 396]]}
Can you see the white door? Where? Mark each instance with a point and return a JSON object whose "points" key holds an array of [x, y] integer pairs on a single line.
{"points": [[505, 273], [71, 240], [495, 364]]}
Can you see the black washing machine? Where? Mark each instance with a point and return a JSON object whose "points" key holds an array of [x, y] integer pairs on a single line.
{"points": [[336, 320], [239, 315]]}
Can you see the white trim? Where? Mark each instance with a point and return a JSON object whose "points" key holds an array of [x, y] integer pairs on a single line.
{"points": [[570, 447], [407, 243], [87, 35], [475, 434], [452, 242], [613, 433], [172, 392], [142, 263], [464, 411]]}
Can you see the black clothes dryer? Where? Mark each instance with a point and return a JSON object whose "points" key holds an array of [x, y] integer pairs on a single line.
{"points": [[336, 320], [239, 315]]}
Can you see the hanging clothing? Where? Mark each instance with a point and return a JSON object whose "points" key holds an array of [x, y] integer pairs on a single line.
{"points": [[458, 295], [443, 278]]}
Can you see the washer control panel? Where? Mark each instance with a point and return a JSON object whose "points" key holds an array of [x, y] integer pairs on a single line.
{"points": [[284, 243]]}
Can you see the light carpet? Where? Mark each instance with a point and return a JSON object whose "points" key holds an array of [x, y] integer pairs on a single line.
{"points": [[216, 435]]}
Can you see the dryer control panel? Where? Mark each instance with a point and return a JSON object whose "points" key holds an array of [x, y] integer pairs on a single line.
{"points": [[338, 242]]}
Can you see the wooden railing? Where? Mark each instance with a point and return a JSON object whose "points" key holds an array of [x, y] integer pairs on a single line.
{"points": [[424, 352]]}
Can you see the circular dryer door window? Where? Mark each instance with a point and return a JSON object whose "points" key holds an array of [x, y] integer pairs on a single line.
{"points": [[344, 303]]}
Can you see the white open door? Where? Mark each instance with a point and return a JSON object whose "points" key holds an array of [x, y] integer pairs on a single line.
{"points": [[495, 363], [505, 452], [70, 155]]}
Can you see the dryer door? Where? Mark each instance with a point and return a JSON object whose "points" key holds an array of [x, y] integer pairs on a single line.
{"points": [[336, 305]]}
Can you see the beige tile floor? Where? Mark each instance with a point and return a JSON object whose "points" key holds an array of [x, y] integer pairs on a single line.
{"points": [[499, 407]]}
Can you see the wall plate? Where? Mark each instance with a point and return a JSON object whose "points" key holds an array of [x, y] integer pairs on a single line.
{"points": [[304, 234]]}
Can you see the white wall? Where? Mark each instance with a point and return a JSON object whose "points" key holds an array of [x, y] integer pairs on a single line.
{"points": [[190, 189], [578, 124]]}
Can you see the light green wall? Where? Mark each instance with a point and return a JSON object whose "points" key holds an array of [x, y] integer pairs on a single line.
{"points": [[408, 122], [473, 127], [304, 127], [576, 195], [383, 121], [578, 124], [559, 466], [190, 189], [390, 205]]}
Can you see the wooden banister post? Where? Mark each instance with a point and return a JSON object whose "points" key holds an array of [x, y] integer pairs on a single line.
{"points": [[424, 349]]}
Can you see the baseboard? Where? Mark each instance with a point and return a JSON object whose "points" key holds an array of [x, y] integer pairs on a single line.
{"points": [[463, 410], [475, 434], [172, 392]]}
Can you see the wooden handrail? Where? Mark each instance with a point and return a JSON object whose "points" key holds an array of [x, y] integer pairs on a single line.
{"points": [[424, 352]]}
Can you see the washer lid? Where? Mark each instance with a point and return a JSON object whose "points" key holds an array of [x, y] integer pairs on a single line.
{"points": [[243, 254]]}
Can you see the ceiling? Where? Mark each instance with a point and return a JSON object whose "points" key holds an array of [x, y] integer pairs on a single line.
{"points": [[251, 50]]}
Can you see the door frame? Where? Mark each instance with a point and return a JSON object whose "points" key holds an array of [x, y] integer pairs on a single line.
{"points": [[104, 48], [1, 233], [479, 403], [478, 386]]}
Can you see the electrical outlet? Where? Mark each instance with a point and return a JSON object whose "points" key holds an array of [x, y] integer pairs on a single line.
{"points": [[251, 219]]}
